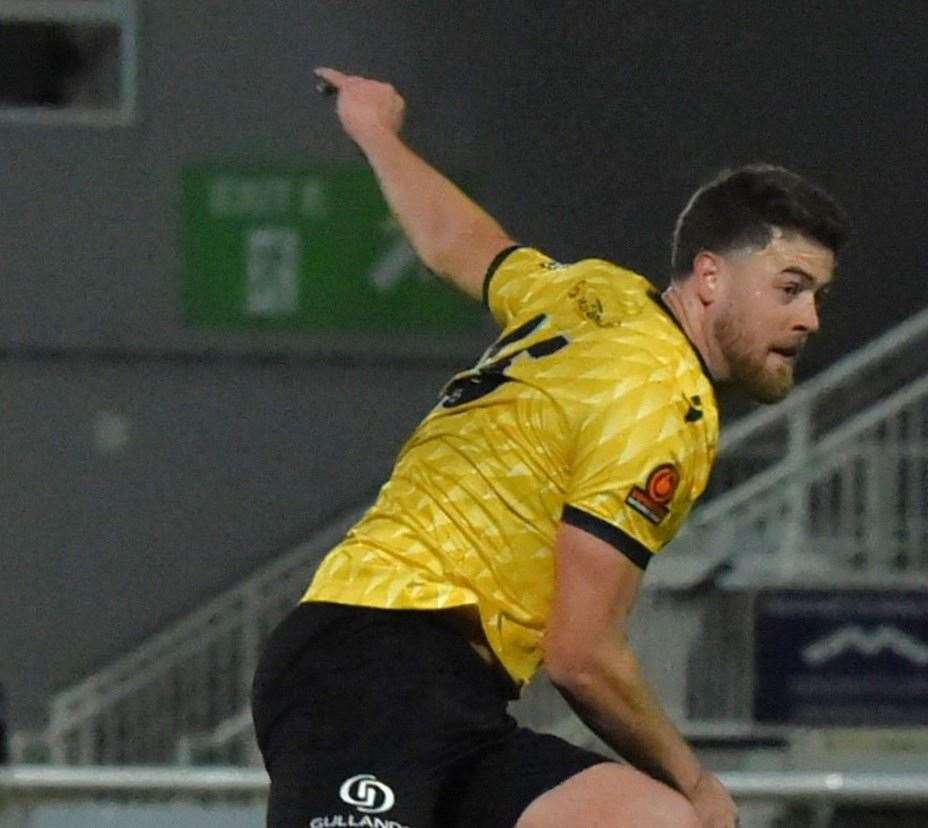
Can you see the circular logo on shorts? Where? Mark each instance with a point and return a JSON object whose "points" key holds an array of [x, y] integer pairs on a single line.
{"points": [[366, 793]]}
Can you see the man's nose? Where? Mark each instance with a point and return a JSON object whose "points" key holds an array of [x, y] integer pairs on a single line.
{"points": [[809, 321]]}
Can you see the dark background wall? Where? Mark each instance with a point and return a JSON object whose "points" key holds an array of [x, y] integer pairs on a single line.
{"points": [[582, 127]]}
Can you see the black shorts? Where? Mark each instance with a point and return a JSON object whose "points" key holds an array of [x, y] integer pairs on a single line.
{"points": [[390, 719]]}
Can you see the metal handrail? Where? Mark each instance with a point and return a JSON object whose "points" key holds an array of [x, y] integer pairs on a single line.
{"points": [[178, 634], [771, 477], [837, 786], [828, 380]]}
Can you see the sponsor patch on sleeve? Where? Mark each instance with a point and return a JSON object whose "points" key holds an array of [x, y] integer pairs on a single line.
{"points": [[652, 502]]}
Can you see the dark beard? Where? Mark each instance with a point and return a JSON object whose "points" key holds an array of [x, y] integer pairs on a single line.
{"points": [[748, 375]]}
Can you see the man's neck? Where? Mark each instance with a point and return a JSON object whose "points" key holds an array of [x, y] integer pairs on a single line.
{"points": [[690, 315]]}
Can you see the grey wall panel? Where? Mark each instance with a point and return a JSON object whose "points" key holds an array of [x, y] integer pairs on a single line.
{"points": [[111, 532], [90, 217]]}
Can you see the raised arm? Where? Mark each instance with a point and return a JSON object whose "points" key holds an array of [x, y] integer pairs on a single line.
{"points": [[589, 659], [452, 235]]}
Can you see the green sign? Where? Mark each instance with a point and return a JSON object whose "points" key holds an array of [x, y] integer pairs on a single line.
{"points": [[313, 248]]}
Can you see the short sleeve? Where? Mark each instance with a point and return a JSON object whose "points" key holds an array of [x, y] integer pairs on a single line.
{"points": [[513, 279], [632, 478]]}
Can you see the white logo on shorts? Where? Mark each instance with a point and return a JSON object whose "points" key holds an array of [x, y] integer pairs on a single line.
{"points": [[367, 794]]}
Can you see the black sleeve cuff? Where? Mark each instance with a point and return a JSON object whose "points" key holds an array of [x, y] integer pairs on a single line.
{"points": [[494, 266], [634, 550]]}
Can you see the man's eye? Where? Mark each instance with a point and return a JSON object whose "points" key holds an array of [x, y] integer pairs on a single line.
{"points": [[792, 289]]}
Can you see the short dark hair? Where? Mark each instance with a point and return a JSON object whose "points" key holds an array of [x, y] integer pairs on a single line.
{"points": [[740, 208]]}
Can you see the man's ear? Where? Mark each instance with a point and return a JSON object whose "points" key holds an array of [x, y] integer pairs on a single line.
{"points": [[708, 276]]}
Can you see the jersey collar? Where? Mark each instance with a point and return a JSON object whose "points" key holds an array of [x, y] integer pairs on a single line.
{"points": [[658, 299]]}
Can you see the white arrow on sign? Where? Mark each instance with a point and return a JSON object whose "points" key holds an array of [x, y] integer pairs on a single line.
{"points": [[388, 270]]}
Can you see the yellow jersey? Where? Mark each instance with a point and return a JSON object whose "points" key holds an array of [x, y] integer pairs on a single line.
{"points": [[592, 408]]}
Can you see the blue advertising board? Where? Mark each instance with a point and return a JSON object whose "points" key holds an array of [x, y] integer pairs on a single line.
{"points": [[843, 658]]}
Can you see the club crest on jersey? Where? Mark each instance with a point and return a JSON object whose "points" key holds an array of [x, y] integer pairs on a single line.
{"points": [[590, 306], [652, 502]]}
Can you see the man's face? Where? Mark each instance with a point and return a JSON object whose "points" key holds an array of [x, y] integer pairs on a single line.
{"points": [[769, 307]]}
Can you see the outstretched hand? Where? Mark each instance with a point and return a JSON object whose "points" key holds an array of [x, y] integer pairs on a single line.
{"points": [[365, 106]]}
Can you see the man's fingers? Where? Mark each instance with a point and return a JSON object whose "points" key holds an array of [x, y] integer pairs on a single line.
{"points": [[328, 81], [324, 87], [363, 104], [332, 76]]}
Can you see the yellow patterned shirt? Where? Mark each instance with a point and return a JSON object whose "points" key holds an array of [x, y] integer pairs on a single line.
{"points": [[592, 407]]}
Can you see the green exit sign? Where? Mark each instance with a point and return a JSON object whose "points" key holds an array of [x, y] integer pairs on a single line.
{"points": [[311, 248]]}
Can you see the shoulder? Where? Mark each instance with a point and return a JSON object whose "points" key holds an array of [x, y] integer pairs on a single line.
{"points": [[522, 278], [621, 321]]}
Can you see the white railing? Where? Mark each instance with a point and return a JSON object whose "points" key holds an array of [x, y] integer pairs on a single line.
{"points": [[773, 514], [851, 506], [851, 385], [800, 785], [833, 481], [166, 698]]}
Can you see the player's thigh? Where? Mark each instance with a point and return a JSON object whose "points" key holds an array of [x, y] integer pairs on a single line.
{"points": [[610, 795], [500, 782]]}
